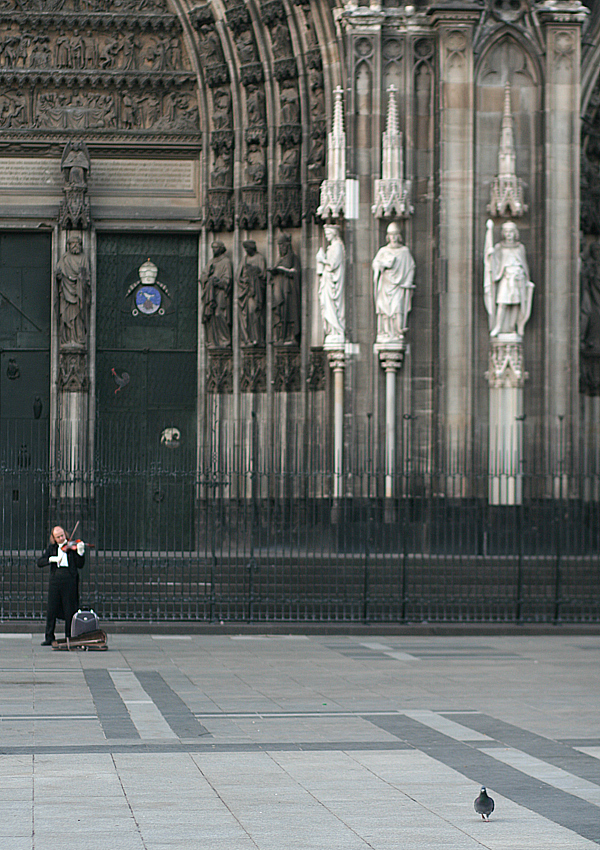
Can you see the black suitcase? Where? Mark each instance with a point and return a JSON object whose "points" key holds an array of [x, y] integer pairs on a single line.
{"points": [[83, 622]]}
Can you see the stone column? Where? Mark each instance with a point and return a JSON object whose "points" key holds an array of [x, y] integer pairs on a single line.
{"points": [[75, 334], [73, 427], [391, 359], [455, 271], [561, 23], [337, 362]]}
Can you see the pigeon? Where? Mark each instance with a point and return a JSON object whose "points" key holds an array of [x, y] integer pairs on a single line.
{"points": [[483, 804]]}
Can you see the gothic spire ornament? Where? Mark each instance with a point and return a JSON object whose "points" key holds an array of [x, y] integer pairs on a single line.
{"points": [[392, 191], [333, 190], [507, 189]]}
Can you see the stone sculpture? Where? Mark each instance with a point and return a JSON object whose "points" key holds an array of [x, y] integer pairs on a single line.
{"points": [[393, 275], [331, 270], [251, 296], [285, 279], [508, 291], [73, 274], [216, 281]]}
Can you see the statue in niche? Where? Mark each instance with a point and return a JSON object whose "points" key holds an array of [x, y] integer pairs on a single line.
{"points": [[75, 165], [288, 167], [393, 275], [507, 289], [222, 109], [251, 298], [216, 282], [211, 45], [280, 40], [255, 104], [221, 170], [73, 274], [256, 169], [331, 271], [245, 46], [285, 279], [289, 103]]}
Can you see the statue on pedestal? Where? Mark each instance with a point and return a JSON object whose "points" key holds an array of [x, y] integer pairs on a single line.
{"points": [[507, 289], [73, 275], [285, 280], [217, 282], [331, 270], [393, 275], [251, 297]]}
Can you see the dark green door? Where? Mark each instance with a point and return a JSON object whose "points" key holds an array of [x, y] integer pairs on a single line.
{"points": [[25, 287], [146, 378]]}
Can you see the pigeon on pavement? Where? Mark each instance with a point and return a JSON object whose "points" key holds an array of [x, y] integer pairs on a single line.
{"points": [[483, 804]]}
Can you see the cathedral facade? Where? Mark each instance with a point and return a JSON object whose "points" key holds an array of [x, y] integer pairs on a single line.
{"points": [[354, 245]]}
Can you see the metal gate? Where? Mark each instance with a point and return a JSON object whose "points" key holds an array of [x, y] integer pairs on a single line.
{"points": [[265, 545]]}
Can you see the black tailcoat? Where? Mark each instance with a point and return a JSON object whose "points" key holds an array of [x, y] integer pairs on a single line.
{"points": [[63, 589]]}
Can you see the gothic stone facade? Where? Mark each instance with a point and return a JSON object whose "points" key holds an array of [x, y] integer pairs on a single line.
{"points": [[191, 124]]}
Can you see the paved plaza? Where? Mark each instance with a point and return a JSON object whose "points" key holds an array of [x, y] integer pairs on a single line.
{"points": [[300, 742]]}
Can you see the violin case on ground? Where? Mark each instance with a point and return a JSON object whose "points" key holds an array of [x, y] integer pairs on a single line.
{"points": [[85, 633]]}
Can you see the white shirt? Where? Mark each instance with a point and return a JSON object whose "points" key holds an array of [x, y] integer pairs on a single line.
{"points": [[63, 561]]}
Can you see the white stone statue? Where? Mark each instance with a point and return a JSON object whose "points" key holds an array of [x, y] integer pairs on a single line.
{"points": [[507, 289], [331, 269], [393, 275]]}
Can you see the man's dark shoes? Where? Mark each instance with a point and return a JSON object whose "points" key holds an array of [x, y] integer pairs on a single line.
{"points": [[46, 643]]}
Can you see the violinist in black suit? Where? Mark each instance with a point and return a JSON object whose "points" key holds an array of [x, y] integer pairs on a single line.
{"points": [[65, 558]]}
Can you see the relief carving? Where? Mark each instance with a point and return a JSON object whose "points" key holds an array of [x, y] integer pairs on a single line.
{"points": [[220, 372], [75, 77], [286, 376], [253, 377], [72, 372]]}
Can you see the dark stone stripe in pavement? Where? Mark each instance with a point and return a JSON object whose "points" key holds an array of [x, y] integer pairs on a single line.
{"points": [[112, 711], [559, 754], [555, 805], [171, 706], [207, 748]]}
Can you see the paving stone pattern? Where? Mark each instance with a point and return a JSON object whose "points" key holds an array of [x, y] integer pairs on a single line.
{"points": [[257, 742]]}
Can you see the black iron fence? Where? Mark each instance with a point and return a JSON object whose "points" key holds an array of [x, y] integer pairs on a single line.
{"points": [[229, 541]]}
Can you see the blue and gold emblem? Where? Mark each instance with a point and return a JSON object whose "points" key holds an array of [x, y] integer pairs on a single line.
{"points": [[150, 296]]}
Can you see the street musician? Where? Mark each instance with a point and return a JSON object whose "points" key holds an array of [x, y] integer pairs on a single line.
{"points": [[65, 557]]}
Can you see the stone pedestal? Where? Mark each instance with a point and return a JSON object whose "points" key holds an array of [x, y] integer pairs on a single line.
{"points": [[73, 443], [506, 379]]}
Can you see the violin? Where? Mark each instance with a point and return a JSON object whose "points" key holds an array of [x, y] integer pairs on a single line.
{"points": [[72, 544]]}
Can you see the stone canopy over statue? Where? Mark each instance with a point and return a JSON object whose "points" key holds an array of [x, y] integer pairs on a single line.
{"points": [[507, 289], [393, 275]]}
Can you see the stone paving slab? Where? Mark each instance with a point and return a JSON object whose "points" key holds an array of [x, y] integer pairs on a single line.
{"points": [[314, 742]]}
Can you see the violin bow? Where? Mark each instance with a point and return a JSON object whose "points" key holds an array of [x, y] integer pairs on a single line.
{"points": [[73, 532]]}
